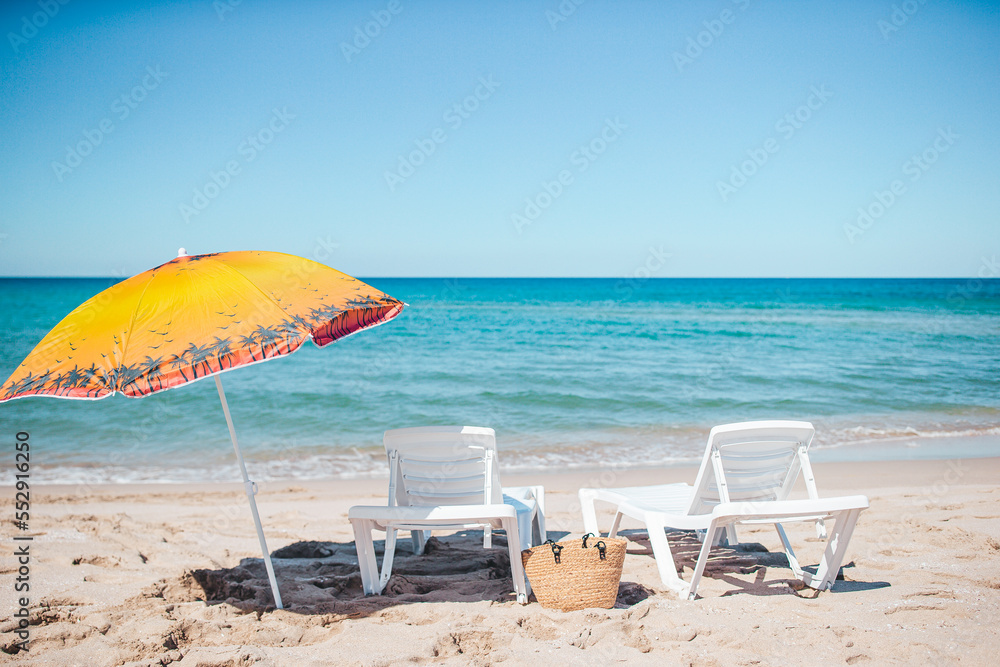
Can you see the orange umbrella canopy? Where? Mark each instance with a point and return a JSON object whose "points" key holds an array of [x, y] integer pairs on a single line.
{"points": [[193, 317]]}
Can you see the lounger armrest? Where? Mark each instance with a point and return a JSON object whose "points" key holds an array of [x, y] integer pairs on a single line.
{"points": [[787, 509], [652, 497], [432, 513]]}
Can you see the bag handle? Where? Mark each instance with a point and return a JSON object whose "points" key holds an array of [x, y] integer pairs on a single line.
{"points": [[557, 548]]}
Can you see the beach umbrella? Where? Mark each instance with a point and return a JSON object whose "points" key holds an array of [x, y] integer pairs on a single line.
{"points": [[198, 316]]}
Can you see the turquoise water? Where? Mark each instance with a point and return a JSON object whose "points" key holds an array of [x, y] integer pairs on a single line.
{"points": [[570, 372]]}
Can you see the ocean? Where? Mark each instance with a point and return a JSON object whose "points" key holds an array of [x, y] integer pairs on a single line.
{"points": [[572, 374]]}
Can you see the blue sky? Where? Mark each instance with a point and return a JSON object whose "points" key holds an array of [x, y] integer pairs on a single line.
{"points": [[696, 139]]}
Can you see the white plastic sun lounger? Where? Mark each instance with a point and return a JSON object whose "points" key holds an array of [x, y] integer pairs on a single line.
{"points": [[746, 475], [445, 477]]}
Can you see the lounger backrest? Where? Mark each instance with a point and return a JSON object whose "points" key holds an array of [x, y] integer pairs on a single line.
{"points": [[752, 462], [442, 465]]}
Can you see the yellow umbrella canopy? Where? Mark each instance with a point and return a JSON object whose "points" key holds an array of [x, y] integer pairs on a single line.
{"points": [[193, 317]]}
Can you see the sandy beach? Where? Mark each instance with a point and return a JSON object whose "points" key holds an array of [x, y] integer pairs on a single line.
{"points": [[171, 574], [569, 244]]}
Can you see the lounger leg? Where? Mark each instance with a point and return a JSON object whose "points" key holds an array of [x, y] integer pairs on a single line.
{"points": [[526, 527], [665, 558], [614, 526], [387, 558], [589, 513], [539, 523], [810, 480], [419, 539], [366, 555], [793, 562], [821, 529], [488, 537], [706, 547], [516, 566], [836, 547]]}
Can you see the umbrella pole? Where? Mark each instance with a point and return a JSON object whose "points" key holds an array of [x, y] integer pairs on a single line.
{"points": [[251, 489]]}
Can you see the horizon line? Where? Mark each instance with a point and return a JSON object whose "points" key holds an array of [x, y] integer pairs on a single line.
{"points": [[635, 278]]}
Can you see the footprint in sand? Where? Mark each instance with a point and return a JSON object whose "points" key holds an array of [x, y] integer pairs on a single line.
{"points": [[99, 561]]}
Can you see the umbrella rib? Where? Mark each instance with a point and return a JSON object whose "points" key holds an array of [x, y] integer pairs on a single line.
{"points": [[287, 314], [131, 329], [344, 323], [398, 308], [258, 288]]}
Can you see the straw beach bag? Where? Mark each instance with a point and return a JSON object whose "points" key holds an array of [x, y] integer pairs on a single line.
{"points": [[575, 575]]}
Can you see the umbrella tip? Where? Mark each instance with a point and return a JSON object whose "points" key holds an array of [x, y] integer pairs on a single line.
{"points": [[181, 252]]}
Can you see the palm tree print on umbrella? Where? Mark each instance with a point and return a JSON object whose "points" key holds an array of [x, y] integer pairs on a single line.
{"points": [[165, 342], [179, 362], [73, 379], [159, 329], [93, 376], [222, 349], [268, 339], [150, 371], [199, 354], [126, 376], [248, 343]]}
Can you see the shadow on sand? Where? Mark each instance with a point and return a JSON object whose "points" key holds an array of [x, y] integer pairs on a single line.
{"points": [[323, 577], [744, 558]]}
